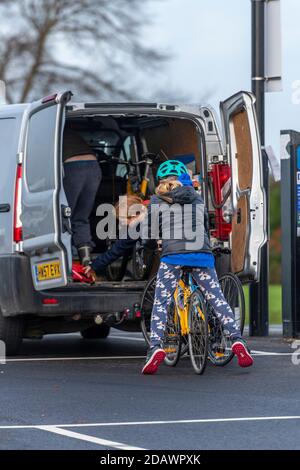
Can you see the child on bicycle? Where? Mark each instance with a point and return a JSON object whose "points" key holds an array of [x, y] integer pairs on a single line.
{"points": [[178, 253]]}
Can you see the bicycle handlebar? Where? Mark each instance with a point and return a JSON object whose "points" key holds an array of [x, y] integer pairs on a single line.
{"points": [[148, 158]]}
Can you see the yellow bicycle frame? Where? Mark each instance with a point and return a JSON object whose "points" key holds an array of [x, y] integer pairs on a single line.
{"points": [[183, 311]]}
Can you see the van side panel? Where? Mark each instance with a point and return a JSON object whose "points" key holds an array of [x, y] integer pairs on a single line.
{"points": [[10, 125]]}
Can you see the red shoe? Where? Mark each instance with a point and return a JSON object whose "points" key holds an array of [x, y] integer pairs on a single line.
{"points": [[241, 351], [154, 358]]}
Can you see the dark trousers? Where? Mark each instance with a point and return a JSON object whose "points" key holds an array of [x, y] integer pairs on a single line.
{"points": [[81, 183]]}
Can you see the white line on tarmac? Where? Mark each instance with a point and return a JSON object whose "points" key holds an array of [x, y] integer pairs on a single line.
{"points": [[104, 358], [92, 358], [144, 423], [268, 353], [84, 437]]}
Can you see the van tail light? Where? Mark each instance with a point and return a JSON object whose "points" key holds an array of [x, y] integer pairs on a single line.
{"points": [[49, 98], [18, 232], [219, 175], [50, 301]]}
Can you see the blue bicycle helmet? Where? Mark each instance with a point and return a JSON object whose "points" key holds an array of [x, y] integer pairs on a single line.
{"points": [[171, 168]]}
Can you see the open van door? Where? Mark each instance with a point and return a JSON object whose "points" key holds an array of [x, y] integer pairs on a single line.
{"points": [[248, 196], [44, 208]]}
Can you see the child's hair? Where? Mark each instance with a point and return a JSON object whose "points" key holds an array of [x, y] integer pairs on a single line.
{"points": [[166, 186], [125, 203]]}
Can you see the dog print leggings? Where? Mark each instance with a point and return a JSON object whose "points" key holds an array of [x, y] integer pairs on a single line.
{"points": [[167, 278]]}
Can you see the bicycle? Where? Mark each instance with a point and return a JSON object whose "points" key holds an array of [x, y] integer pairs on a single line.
{"points": [[141, 255], [188, 308], [136, 184]]}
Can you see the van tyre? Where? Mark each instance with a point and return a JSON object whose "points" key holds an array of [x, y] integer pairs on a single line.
{"points": [[11, 333], [96, 332]]}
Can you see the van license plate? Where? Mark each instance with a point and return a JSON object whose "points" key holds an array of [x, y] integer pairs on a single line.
{"points": [[47, 271]]}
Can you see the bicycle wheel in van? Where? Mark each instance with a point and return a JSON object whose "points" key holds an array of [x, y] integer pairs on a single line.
{"points": [[198, 332], [117, 269], [141, 261], [219, 349]]}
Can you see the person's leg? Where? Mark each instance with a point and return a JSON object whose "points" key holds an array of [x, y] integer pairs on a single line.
{"points": [[90, 174], [72, 185], [166, 282], [208, 282]]}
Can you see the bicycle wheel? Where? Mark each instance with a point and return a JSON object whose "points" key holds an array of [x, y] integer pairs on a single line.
{"points": [[146, 308], [173, 338], [198, 332], [116, 270], [141, 261], [219, 349]]}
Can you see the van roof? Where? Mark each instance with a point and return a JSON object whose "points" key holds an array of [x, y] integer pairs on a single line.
{"points": [[13, 108]]}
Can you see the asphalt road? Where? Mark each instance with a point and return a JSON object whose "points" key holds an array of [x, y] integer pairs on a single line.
{"points": [[68, 393]]}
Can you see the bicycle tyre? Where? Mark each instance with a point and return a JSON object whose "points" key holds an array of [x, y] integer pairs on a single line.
{"points": [[234, 294], [198, 332], [141, 262], [173, 338], [117, 269]]}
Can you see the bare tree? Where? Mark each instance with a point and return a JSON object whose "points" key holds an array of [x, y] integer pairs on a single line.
{"points": [[90, 46]]}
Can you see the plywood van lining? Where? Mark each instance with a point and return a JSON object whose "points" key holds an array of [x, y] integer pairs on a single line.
{"points": [[179, 138], [239, 237]]}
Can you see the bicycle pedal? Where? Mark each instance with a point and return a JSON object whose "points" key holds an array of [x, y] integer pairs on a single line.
{"points": [[219, 354], [170, 350]]}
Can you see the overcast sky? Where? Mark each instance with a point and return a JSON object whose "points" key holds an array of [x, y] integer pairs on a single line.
{"points": [[210, 43]]}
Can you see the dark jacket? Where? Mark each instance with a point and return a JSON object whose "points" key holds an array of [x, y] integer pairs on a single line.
{"points": [[74, 145], [188, 228], [157, 208]]}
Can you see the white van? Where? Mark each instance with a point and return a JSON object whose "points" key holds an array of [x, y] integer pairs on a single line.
{"points": [[34, 215]]}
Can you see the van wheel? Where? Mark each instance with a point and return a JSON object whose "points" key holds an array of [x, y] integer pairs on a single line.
{"points": [[11, 333], [96, 332]]}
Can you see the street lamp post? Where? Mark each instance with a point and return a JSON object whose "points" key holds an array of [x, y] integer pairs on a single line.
{"points": [[259, 292]]}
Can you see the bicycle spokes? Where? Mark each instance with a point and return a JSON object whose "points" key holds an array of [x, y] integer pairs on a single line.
{"points": [[198, 332]]}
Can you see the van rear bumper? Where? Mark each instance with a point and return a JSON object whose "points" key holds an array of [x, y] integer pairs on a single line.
{"points": [[18, 296]]}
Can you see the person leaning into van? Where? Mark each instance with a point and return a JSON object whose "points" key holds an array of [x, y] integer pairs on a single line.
{"points": [[82, 177], [175, 256]]}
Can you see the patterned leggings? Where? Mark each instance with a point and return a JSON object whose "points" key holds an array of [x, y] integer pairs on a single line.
{"points": [[166, 282]]}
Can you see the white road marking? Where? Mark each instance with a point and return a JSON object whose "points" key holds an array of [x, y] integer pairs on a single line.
{"points": [[144, 423], [268, 353], [84, 437], [104, 358], [92, 358]]}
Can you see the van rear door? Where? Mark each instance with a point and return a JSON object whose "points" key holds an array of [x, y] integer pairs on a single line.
{"points": [[44, 208], [248, 197]]}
